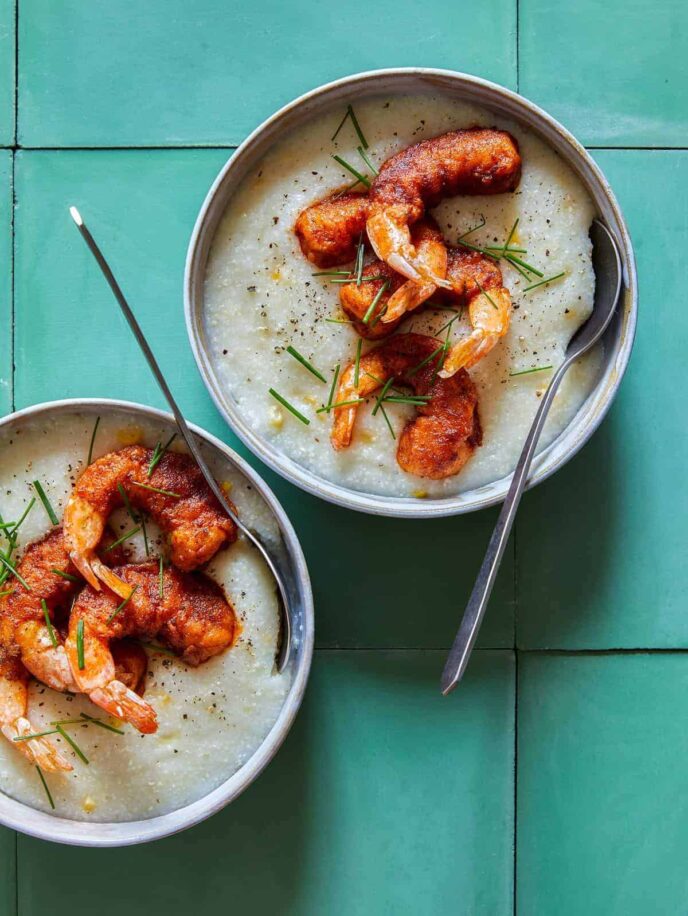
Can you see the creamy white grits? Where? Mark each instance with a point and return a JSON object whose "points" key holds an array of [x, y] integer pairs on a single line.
{"points": [[261, 296], [211, 718]]}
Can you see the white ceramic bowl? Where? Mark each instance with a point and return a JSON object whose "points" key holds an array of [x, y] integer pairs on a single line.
{"points": [[618, 340], [22, 817]]}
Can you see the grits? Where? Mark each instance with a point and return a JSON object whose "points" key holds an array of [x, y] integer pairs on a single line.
{"points": [[211, 718], [260, 297]]}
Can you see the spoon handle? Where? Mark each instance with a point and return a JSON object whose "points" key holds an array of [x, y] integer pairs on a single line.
{"points": [[460, 651]]}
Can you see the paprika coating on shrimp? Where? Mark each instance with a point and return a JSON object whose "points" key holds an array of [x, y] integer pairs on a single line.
{"points": [[471, 161], [446, 430], [187, 612], [328, 231], [175, 495]]}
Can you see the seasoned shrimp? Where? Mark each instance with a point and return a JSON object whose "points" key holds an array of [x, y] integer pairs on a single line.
{"points": [[14, 721], [187, 612], [473, 161], [328, 231], [176, 496], [442, 437], [490, 314]]}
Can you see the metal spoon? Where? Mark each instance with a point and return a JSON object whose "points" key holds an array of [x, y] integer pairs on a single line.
{"points": [[608, 273], [285, 648]]}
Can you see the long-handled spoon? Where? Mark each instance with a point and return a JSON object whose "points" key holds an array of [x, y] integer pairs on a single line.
{"points": [[608, 273], [185, 432]]}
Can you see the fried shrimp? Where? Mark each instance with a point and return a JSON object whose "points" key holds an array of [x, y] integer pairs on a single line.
{"points": [[328, 231], [473, 161], [187, 612], [175, 495], [446, 431], [490, 314]]}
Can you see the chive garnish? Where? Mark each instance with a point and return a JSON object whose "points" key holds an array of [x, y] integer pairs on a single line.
{"points": [[127, 504], [292, 351], [385, 389], [45, 786], [509, 237], [339, 321], [512, 259], [51, 630], [80, 644], [290, 407], [146, 486], [110, 728], [46, 502], [75, 747], [506, 251], [517, 268], [13, 569], [93, 439], [356, 125], [5, 594], [362, 178], [358, 267], [483, 251], [545, 281], [125, 537], [351, 279], [487, 295], [26, 511], [357, 364], [52, 731], [161, 584], [528, 371], [371, 308], [154, 647], [472, 229], [65, 575], [331, 273], [407, 399], [330, 407], [145, 535], [389, 425], [334, 385], [158, 453], [122, 605], [361, 152], [425, 361]]}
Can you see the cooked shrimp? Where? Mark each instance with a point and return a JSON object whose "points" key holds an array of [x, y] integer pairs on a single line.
{"points": [[442, 437], [328, 231], [473, 161], [176, 496], [187, 612], [14, 721], [490, 314]]}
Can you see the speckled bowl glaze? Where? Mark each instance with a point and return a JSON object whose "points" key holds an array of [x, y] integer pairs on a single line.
{"points": [[45, 826], [618, 340]]}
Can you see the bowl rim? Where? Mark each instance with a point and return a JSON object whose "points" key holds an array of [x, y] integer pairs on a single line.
{"points": [[588, 417], [44, 826]]}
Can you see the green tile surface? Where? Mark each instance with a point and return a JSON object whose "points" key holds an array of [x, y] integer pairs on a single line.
{"points": [[5, 281], [141, 205], [602, 810], [384, 799], [7, 71], [175, 72], [607, 568], [614, 73]]}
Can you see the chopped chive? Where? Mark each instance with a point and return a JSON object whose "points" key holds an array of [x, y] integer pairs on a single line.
{"points": [[357, 364], [290, 407], [447, 326], [341, 124], [292, 351], [373, 304], [45, 786], [154, 647], [334, 385], [6, 525], [13, 569], [472, 229], [520, 270], [506, 251], [122, 605], [358, 267], [158, 454], [51, 630], [346, 189], [110, 728], [361, 152], [425, 361], [80, 644], [65, 575], [339, 321], [46, 502], [407, 399], [26, 511], [381, 396], [5, 594], [145, 535], [528, 371], [351, 279], [380, 382], [389, 425], [545, 281], [509, 237], [487, 296], [356, 125], [332, 273], [533, 270], [145, 486], [362, 178], [330, 407], [127, 504], [161, 583], [75, 747], [93, 439], [125, 537], [53, 731]]}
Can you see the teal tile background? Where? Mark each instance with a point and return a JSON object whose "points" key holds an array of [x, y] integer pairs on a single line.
{"points": [[602, 809], [386, 798], [179, 77], [614, 73], [383, 796]]}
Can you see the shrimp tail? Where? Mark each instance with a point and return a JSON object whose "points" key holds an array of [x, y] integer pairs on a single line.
{"points": [[85, 568], [113, 582], [124, 704], [38, 750], [407, 298]]}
